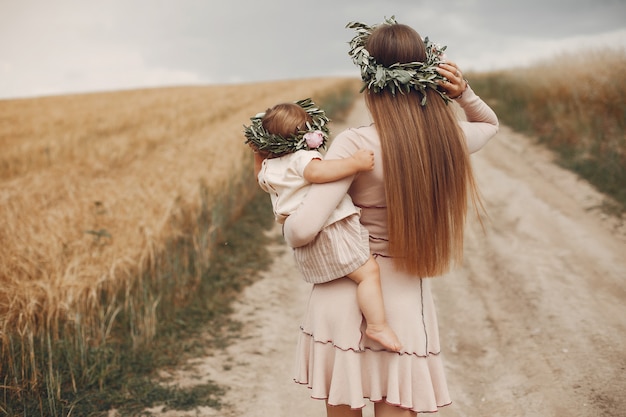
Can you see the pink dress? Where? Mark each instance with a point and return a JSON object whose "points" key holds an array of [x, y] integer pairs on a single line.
{"points": [[334, 357]]}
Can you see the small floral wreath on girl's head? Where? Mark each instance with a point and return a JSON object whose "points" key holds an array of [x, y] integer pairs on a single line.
{"points": [[314, 137], [397, 77]]}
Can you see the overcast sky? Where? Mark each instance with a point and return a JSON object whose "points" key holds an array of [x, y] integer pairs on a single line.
{"points": [[64, 46]]}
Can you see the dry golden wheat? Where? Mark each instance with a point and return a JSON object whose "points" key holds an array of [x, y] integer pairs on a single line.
{"points": [[93, 186]]}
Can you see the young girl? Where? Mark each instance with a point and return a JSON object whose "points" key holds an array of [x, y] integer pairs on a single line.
{"points": [[285, 139]]}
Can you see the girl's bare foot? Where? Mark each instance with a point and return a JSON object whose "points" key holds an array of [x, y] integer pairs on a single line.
{"points": [[384, 335]]}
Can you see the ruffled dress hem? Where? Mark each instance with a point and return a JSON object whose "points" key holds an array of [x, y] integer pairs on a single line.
{"points": [[439, 406], [349, 376]]}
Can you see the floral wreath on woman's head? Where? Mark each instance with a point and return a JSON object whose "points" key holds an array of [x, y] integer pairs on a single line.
{"points": [[314, 137], [397, 77]]}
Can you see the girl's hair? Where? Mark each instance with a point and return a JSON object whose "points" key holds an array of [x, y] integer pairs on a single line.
{"points": [[286, 119], [427, 173]]}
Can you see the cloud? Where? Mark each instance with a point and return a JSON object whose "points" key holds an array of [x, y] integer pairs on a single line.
{"points": [[67, 66], [522, 51], [75, 46]]}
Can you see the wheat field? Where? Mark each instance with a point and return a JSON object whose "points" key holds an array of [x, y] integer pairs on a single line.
{"points": [[92, 189]]}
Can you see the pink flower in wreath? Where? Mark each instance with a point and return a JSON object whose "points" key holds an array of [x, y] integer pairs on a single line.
{"points": [[314, 139]]}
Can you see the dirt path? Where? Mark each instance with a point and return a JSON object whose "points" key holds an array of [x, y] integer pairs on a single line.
{"points": [[534, 324]]}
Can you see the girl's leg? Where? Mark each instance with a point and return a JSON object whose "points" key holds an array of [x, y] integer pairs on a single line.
{"points": [[382, 409], [370, 298], [342, 411]]}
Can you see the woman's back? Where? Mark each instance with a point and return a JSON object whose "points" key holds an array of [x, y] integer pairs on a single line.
{"points": [[367, 189]]}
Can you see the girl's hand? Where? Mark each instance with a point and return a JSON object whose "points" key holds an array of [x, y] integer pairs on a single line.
{"points": [[364, 159], [455, 84]]}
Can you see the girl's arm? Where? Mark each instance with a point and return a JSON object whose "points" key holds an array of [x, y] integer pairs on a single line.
{"points": [[320, 171]]}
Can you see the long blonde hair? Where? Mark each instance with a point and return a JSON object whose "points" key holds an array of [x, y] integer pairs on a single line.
{"points": [[427, 172]]}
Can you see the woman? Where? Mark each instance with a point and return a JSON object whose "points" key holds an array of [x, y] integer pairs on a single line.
{"points": [[413, 204]]}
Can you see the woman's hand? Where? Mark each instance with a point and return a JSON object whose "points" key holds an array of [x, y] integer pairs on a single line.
{"points": [[455, 84]]}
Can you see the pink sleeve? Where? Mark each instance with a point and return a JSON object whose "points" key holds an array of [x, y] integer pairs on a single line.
{"points": [[482, 122], [302, 226]]}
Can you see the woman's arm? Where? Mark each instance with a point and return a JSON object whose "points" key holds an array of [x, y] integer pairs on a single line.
{"points": [[321, 200], [482, 122], [320, 171]]}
